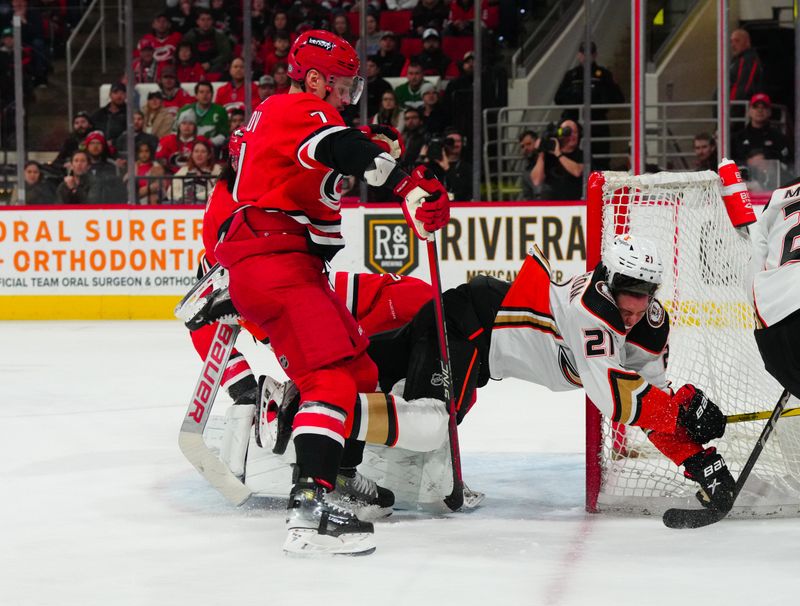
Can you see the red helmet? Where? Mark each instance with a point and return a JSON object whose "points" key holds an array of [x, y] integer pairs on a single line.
{"points": [[327, 53]]}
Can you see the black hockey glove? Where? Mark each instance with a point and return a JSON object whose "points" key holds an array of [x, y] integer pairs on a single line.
{"points": [[702, 419], [708, 469]]}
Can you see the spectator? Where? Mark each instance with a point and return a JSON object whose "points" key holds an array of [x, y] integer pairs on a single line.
{"points": [[149, 190], [158, 121], [195, 180], [235, 120], [266, 87], [182, 16], [145, 68], [187, 68], [414, 137], [307, 14], [105, 185], [279, 53], [605, 90], [174, 97], [559, 164], [746, 71], [389, 112], [111, 119], [280, 23], [340, 25], [527, 145], [373, 34], [212, 119], [758, 133], [221, 17], [281, 77], [410, 93], [174, 149], [162, 39], [761, 173], [232, 94], [705, 152], [433, 116], [388, 58], [139, 136], [429, 14], [81, 126], [432, 59], [259, 19], [401, 5], [38, 190], [459, 175], [457, 100], [211, 48], [74, 189], [460, 21], [376, 86], [7, 69], [33, 36]]}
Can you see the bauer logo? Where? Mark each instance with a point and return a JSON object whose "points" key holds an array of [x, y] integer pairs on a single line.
{"points": [[389, 245]]}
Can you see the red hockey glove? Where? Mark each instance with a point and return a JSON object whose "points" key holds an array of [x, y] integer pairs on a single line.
{"points": [[426, 204], [735, 195], [386, 137]]}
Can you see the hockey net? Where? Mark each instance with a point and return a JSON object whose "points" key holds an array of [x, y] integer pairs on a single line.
{"points": [[711, 346]]}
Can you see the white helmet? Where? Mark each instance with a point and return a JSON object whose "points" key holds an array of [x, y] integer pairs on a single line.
{"points": [[633, 265]]}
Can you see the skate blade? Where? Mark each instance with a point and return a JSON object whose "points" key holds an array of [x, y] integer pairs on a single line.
{"points": [[372, 513], [307, 542]]}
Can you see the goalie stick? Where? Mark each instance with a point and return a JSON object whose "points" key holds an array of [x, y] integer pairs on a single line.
{"points": [[455, 499], [697, 518], [760, 416], [190, 439]]}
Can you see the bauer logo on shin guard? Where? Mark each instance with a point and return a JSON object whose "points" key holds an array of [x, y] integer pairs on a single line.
{"points": [[389, 245]]}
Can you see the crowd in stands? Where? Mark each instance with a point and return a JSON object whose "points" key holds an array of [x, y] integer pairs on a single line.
{"points": [[181, 137]]}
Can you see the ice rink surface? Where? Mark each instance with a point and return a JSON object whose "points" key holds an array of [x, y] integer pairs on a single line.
{"points": [[100, 507]]}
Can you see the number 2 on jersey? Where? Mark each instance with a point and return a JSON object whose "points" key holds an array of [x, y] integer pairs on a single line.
{"points": [[791, 245]]}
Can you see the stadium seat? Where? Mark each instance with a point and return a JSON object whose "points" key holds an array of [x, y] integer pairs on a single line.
{"points": [[355, 24], [398, 22], [456, 46], [411, 46]]}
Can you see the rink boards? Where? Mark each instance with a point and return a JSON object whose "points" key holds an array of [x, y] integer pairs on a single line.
{"points": [[112, 262]]}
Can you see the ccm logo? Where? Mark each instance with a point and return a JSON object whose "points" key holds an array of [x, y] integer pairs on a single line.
{"points": [[212, 369]]}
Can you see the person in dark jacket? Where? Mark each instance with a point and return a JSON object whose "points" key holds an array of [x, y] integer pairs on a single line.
{"points": [[759, 134], [746, 71], [38, 190], [111, 119]]}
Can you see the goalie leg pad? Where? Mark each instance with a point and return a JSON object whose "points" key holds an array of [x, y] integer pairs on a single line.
{"points": [[233, 452]]}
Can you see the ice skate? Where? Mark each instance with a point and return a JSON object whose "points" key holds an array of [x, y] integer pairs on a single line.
{"points": [[362, 496], [319, 527]]}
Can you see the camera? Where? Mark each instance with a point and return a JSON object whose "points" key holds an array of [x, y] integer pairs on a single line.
{"points": [[553, 132], [437, 146]]}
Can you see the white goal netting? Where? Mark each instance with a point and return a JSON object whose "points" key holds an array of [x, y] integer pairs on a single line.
{"points": [[711, 346]]}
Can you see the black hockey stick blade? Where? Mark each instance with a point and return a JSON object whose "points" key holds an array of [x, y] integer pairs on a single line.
{"points": [[697, 518]]}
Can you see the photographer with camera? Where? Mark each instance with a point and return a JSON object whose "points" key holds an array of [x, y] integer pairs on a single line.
{"points": [[443, 156], [559, 163]]}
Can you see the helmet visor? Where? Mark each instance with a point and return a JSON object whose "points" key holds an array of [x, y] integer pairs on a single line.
{"points": [[348, 89]]}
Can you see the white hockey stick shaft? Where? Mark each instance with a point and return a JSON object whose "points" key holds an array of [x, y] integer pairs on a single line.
{"points": [[190, 439]]}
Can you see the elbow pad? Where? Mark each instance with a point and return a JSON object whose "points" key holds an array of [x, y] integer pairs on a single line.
{"points": [[379, 171]]}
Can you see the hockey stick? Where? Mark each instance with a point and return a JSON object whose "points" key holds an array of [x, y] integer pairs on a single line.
{"points": [[190, 438], [697, 518], [760, 416], [455, 499]]}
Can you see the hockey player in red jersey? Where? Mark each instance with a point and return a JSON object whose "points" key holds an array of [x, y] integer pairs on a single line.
{"points": [[295, 150]]}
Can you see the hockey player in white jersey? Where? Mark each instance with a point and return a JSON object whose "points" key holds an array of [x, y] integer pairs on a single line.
{"points": [[603, 331], [773, 283]]}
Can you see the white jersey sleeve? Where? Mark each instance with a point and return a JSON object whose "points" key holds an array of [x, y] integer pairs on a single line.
{"points": [[774, 286]]}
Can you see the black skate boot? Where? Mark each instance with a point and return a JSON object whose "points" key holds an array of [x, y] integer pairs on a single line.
{"points": [[317, 526], [708, 469], [362, 496]]}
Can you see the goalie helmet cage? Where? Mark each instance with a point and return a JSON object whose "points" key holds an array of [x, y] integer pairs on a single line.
{"points": [[711, 346]]}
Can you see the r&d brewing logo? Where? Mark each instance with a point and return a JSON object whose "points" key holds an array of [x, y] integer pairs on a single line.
{"points": [[389, 244]]}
